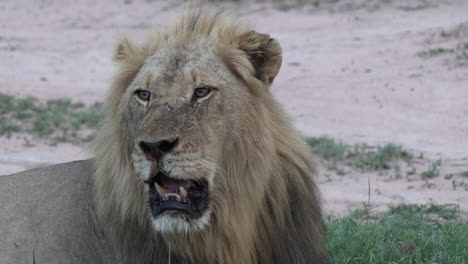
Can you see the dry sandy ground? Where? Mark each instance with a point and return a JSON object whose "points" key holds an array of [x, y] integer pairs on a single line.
{"points": [[351, 71]]}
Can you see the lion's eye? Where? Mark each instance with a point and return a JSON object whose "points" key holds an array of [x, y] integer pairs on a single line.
{"points": [[143, 95], [201, 92]]}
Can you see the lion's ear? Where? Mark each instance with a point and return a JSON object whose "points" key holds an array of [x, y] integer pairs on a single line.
{"points": [[127, 50], [264, 53]]}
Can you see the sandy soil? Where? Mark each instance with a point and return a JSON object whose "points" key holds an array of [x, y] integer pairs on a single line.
{"points": [[351, 71]]}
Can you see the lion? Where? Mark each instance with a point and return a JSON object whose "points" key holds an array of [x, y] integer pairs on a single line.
{"points": [[195, 161]]}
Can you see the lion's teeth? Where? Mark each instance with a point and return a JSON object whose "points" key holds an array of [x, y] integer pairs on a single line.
{"points": [[175, 195], [168, 196], [161, 190], [183, 193]]}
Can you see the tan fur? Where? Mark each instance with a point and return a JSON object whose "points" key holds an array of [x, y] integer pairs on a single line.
{"points": [[264, 204]]}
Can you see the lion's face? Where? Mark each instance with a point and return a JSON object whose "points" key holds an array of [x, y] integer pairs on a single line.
{"points": [[187, 100], [178, 114]]}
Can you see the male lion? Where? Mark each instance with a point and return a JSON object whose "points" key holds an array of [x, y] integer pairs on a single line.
{"points": [[195, 162]]}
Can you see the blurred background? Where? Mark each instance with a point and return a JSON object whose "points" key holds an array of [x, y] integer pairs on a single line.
{"points": [[379, 88]]}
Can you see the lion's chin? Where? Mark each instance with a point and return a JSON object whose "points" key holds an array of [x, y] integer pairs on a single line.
{"points": [[176, 203], [174, 222]]}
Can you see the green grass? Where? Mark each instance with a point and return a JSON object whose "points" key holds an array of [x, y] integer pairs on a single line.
{"points": [[59, 120], [327, 148], [446, 212], [360, 156], [460, 51], [464, 173], [433, 171], [436, 51], [380, 157], [404, 234]]}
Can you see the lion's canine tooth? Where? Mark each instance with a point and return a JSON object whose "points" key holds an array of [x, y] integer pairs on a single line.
{"points": [[178, 197], [160, 190], [183, 193]]}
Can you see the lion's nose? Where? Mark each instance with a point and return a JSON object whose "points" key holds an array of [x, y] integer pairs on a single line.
{"points": [[157, 149]]}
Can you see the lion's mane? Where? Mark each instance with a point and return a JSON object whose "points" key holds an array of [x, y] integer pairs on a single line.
{"points": [[267, 204]]}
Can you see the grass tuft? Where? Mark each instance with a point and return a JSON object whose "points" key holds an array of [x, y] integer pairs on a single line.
{"points": [[361, 156], [380, 158], [60, 120], [446, 212], [327, 148], [460, 52], [433, 170], [405, 234]]}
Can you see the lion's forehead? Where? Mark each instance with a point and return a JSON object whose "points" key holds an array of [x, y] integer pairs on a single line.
{"points": [[169, 61], [182, 69]]}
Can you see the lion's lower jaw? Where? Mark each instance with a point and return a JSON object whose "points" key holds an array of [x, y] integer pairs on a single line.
{"points": [[169, 224]]}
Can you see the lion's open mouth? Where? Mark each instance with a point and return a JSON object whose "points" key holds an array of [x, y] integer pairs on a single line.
{"points": [[187, 196]]}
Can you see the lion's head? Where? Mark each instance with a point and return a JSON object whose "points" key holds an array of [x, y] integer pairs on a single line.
{"points": [[193, 142]]}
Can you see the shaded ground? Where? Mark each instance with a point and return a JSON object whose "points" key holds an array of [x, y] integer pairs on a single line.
{"points": [[360, 71]]}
